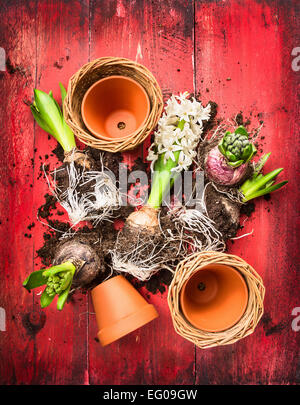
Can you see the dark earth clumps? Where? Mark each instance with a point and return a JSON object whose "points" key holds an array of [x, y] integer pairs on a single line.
{"points": [[224, 212]]}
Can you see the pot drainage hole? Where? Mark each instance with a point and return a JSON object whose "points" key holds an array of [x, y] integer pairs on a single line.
{"points": [[201, 286], [121, 125]]}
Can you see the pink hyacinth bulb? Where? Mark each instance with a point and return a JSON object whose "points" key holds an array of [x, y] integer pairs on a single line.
{"points": [[220, 172]]}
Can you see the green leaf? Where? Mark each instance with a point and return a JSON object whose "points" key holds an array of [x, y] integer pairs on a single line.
{"points": [[46, 299], [246, 152], [241, 130], [221, 149], [39, 119], [163, 179], [270, 184], [266, 190], [252, 153], [51, 119], [66, 266], [63, 93], [230, 156], [260, 164], [262, 181], [235, 164], [62, 298], [57, 105], [47, 107], [35, 279]]}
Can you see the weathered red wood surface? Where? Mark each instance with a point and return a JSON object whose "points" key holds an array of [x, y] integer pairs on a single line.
{"points": [[234, 52]]}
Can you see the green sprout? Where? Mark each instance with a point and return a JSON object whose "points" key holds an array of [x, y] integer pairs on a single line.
{"points": [[49, 116], [58, 280], [260, 184], [236, 147], [163, 176]]}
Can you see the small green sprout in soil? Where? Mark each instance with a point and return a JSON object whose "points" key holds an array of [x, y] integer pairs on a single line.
{"points": [[260, 184]]}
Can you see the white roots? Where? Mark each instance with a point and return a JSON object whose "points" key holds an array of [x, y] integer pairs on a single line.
{"points": [[232, 194], [142, 260], [197, 231], [193, 231], [96, 205], [104, 199]]}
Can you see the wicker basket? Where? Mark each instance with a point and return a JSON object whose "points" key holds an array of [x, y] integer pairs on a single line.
{"points": [[246, 324], [93, 71]]}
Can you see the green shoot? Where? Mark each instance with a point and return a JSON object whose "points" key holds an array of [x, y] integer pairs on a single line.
{"points": [[164, 177], [236, 147], [260, 184], [49, 117], [58, 280]]}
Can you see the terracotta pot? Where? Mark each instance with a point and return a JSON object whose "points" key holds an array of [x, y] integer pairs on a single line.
{"points": [[214, 298], [120, 309], [115, 107]]}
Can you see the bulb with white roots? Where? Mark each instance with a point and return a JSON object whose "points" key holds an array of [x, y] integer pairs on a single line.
{"points": [[144, 258], [196, 230], [105, 197], [75, 206], [96, 205]]}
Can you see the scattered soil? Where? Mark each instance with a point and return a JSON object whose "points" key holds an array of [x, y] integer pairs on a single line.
{"points": [[157, 283], [59, 152], [224, 212], [12, 69], [44, 211], [108, 159], [240, 120], [103, 237], [248, 209], [208, 125], [140, 165]]}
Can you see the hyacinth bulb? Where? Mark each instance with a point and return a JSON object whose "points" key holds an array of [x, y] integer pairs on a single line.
{"points": [[218, 170]]}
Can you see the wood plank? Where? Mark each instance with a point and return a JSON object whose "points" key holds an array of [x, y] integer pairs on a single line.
{"points": [[243, 59], [62, 47], [160, 37], [17, 347]]}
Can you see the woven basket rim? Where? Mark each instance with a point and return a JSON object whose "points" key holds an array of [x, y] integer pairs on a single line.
{"points": [[248, 322], [129, 135], [87, 75]]}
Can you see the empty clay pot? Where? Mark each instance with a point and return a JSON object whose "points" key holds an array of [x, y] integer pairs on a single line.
{"points": [[115, 107], [214, 298], [120, 309]]}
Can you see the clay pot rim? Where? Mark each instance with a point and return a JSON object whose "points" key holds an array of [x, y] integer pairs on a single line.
{"points": [[100, 136], [207, 267], [120, 323]]}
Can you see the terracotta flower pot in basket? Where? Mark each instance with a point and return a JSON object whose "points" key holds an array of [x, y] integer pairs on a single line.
{"points": [[113, 104], [120, 309], [215, 299]]}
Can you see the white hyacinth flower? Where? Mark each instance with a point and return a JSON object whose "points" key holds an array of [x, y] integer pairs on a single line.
{"points": [[169, 138]]}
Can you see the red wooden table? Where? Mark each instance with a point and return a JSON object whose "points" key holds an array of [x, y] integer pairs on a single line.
{"points": [[237, 53]]}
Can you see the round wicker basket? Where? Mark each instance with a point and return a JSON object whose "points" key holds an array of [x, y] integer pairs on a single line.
{"points": [[93, 71], [246, 324]]}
